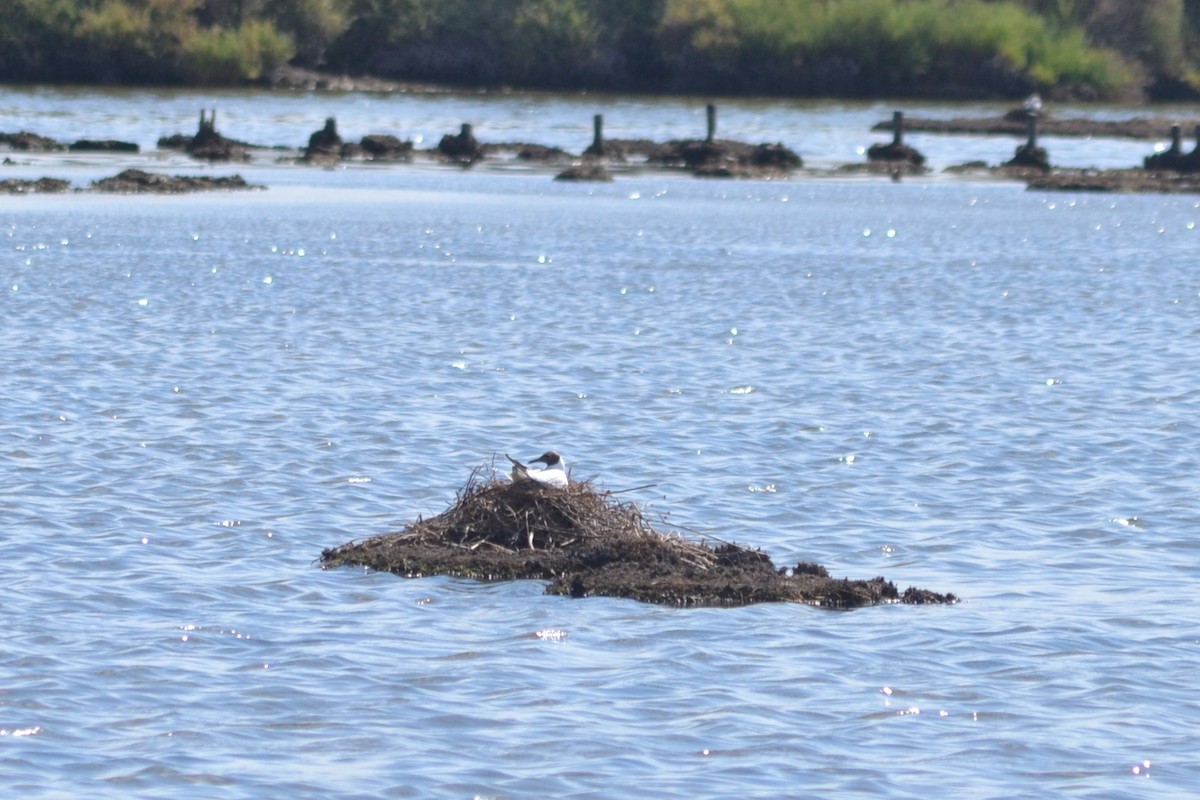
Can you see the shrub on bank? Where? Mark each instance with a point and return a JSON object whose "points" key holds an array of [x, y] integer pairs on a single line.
{"points": [[967, 48], [222, 56], [884, 47], [135, 41]]}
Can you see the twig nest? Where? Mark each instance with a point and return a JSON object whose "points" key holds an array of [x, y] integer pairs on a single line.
{"points": [[585, 542]]}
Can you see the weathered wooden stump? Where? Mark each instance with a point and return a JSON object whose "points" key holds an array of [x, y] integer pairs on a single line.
{"points": [[1030, 155], [1173, 158], [596, 148], [896, 152], [462, 147], [324, 144], [1191, 162], [212, 146]]}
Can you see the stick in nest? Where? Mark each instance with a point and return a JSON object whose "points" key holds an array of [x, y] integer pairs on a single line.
{"points": [[530, 515]]}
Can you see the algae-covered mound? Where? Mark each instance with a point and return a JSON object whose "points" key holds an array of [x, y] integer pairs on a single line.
{"points": [[586, 542], [136, 181]]}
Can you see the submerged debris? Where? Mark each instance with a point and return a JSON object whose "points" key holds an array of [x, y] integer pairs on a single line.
{"points": [[24, 140], [136, 181], [36, 186], [724, 158], [585, 542]]}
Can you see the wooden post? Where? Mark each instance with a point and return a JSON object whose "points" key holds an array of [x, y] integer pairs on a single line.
{"points": [[207, 124], [1033, 132], [1176, 139], [711, 111], [897, 128], [598, 134]]}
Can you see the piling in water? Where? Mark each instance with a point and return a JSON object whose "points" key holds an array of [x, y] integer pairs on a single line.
{"points": [[596, 149], [897, 155]]}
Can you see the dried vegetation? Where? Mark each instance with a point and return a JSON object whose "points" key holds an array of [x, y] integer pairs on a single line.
{"points": [[587, 542]]}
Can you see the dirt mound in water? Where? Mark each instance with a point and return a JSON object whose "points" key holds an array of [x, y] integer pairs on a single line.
{"points": [[586, 542], [136, 181]]}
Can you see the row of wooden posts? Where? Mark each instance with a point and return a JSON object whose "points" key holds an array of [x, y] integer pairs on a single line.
{"points": [[1030, 147], [1030, 151]]}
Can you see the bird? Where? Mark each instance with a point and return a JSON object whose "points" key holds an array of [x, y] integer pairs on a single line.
{"points": [[554, 474], [1033, 105]]}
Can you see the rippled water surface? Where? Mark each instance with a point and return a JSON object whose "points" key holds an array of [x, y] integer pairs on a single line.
{"points": [[961, 386]]}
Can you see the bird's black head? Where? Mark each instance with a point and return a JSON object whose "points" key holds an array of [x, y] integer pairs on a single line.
{"points": [[549, 458]]}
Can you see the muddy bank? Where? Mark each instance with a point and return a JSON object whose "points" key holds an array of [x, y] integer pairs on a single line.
{"points": [[36, 186], [586, 543], [1131, 181], [136, 181], [1117, 180], [1146, 128], [26, 142]]}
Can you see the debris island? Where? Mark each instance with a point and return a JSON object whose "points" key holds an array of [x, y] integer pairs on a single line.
{"points": [[586, 542]]}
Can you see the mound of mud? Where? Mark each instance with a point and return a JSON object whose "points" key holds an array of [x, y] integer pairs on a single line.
{"points": [[585, 542], [136, 181], [1117, 180], [38, 186], [725, 158]]}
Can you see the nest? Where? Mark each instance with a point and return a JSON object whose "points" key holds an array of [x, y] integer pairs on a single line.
{"points": [[586, 542]]}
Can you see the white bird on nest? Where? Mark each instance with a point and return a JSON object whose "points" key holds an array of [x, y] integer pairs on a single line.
{"points": [[554, 474]]}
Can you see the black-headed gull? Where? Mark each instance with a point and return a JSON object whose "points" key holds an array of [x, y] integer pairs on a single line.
{"points": [[554, 474]]}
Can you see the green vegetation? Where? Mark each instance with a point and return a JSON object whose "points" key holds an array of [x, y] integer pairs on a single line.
{"points": [[883, 47], [865, 48]]}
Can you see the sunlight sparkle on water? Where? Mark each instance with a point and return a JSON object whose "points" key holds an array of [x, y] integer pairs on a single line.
{"points": [[34, 731]]}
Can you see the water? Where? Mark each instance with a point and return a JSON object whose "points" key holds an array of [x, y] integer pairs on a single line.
{"points": [[958, 385]]}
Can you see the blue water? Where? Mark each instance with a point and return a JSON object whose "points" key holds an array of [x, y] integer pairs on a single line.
{"points": [[962, 386]]}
